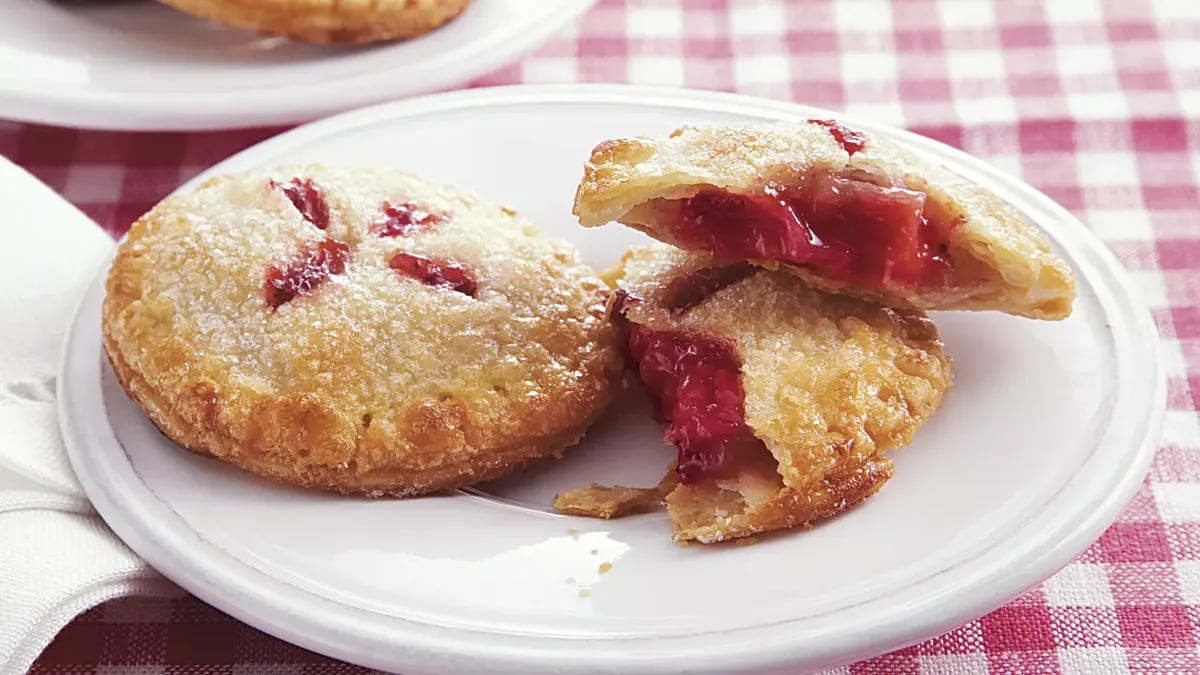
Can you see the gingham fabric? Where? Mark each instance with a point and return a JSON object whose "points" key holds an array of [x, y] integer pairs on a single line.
{"points": [[1096, 103]]}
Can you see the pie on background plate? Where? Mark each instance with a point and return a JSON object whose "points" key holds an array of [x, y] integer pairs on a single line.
{"points": [[1029, 457]]}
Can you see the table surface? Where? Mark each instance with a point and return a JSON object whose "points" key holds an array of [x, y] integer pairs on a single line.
{"points": [[1095, 102]]}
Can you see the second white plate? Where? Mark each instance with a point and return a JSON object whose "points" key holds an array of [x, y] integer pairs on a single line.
{"points": [[1032, 455], [141, 65]]}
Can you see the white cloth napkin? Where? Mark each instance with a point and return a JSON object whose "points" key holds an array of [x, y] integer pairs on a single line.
{"points": [[57, 558]]}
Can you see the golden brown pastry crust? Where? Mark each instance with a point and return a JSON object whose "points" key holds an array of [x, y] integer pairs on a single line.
{"points": [[328, 21], [375, 383], [637, 181], [830, 383]]}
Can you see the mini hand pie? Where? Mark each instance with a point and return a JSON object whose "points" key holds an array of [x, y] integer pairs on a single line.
{"points": [[845, 211], [780, 398], [357, 330]]}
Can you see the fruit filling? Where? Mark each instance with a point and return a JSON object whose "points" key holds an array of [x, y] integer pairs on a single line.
{"points": [[440, 273], [850, 140], [845, 228], [308, 199], [399, 220], [697, 382], [304, 273]]}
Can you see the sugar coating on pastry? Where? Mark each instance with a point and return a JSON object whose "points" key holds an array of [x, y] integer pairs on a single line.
{"points": [[357, 330], [328, 21], [780, 398], [844, 210]]}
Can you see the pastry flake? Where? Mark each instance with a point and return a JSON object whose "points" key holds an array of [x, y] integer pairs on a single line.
{"points": [[615, 501]]}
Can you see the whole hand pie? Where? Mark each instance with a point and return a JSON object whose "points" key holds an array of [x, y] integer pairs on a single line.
{"points": [[845, 211], [779, 398], [357, 330], [328, 21]]}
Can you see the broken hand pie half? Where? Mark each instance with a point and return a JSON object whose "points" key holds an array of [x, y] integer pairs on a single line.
{"points": [[846, 211], [779, 398]]}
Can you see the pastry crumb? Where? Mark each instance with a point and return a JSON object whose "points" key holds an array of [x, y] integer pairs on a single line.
{"points": [[585, 592], [605, 567], [613, 501]]}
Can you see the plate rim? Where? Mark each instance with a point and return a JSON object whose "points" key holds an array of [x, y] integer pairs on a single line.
{"points": [[261, 106], [428, 646]]}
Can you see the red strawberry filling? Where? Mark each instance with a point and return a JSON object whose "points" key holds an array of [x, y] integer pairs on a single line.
{"points": [[304, 273], [308, 199], [844, 228], [851, 141], [697, 381], [399, 220], [441, 273]]}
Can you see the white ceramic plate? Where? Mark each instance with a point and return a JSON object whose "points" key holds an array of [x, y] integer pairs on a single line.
{"points": [[1031, 456], [137, 64]]}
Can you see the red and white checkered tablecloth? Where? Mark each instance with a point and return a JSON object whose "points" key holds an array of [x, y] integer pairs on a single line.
{"points": [[1096, 102]]}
